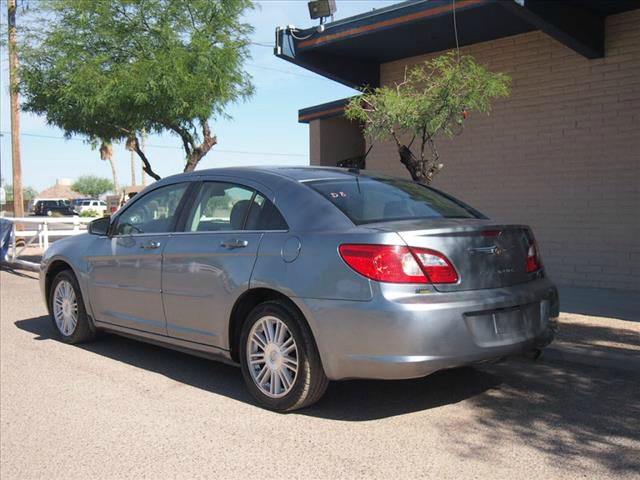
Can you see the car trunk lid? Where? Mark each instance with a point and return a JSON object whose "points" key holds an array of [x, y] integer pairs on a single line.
{"points": [[485, 254]]}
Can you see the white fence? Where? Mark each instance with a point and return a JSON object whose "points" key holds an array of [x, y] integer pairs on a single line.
{"points": [[40, 229]]}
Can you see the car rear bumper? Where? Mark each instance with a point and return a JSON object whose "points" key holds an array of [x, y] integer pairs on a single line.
{"points": [[402, 334]]}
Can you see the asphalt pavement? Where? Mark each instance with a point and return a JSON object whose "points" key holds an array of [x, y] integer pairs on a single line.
{"points": [[117, 408]]}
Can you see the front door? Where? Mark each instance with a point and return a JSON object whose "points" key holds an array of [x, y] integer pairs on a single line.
{"points": [[126, 268]]}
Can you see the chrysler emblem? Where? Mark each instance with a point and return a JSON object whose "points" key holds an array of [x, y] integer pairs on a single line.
{"points": [[493, 250]]}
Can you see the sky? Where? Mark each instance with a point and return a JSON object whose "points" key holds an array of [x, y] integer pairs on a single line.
{"points": [[264, 130]]}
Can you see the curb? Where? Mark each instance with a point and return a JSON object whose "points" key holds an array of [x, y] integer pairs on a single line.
{"points": [[592, 358]]}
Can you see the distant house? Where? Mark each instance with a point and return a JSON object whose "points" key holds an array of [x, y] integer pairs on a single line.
{"points": [[61, 189], [561, 154]]}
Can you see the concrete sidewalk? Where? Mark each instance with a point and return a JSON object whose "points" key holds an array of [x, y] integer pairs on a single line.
{"points": [[597, 342], [601, 302]]}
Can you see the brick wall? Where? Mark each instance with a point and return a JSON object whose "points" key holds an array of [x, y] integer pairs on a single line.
{"points": [[562, 153], [334, 139]]}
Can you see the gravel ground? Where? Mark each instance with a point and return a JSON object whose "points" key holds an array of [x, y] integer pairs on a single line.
{"points": [[117, 408]]}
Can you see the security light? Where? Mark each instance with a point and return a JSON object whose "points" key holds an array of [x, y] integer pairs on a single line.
{"points": [[321, 8]]}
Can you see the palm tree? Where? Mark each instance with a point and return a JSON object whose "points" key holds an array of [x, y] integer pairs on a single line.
{"points": [[106, 153]]}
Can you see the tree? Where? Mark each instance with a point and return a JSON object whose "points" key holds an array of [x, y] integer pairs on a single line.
{"points": [[433, 99], [106, 154], [28, 193], [109, 69], [92, 186]]}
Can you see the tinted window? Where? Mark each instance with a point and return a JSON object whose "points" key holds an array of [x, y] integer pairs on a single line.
{"points": [[369, 199], [219, 207], [225, 206], [153, 213], [264, 216]]}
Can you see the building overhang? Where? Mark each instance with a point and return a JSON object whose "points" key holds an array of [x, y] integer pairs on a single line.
{"points": [[325, 110], [351, 50]]}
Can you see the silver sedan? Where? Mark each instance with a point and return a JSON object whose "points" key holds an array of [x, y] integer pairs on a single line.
{"points": [[303, 275]]}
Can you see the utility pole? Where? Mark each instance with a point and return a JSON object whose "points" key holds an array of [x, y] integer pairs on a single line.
{"points": [[18, 204]]}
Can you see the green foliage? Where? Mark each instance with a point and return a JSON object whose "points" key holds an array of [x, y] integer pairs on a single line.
{"points": [[92, 186], [106, 69], [28, 193], [434, 98], [90, 213]]}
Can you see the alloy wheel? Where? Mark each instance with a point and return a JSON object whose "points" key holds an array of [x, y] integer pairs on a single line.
{"points": [[272, 356], [65, 308]]}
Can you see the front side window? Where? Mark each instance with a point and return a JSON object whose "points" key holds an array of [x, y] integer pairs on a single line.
{"points": [[378, 199], [153, 213]]}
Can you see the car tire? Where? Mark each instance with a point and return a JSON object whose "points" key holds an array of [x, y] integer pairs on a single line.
{"points": [[262, 357], [67, 311]]}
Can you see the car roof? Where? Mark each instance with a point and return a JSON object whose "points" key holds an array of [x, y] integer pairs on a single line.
{"points": [[275, 179], [296, 173]]}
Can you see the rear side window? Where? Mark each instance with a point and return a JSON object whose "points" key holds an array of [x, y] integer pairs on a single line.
{"points": [[370, 200], [264, 216], [226, 206]]}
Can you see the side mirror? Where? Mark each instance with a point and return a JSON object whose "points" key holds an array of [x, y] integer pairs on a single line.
{"points": [[100, 226]]}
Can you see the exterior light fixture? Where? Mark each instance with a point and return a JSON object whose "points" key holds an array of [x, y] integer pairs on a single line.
{"points": [[321, 9]]}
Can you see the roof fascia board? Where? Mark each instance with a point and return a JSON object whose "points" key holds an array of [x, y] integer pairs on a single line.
{"points": [[413, 12]]}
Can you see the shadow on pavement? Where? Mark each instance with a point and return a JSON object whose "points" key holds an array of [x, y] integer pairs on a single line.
{"points": [[349, 401], [614, 340], [19, 273], [568, 412]]}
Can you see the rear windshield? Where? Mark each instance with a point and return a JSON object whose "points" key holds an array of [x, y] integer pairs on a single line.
{"points": [[370, 200]]}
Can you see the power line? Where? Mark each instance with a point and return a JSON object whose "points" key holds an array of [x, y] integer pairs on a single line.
{"points": [[262, 44], [255, 65], [240, 152]]}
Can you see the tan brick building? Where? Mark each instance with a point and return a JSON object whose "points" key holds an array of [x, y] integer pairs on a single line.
{"points": [[561, 154]]}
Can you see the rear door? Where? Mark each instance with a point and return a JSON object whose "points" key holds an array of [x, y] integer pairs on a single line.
{"points": [[208, 266]]}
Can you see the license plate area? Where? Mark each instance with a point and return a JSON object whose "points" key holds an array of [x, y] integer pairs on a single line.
{"points": [[505, 326]]}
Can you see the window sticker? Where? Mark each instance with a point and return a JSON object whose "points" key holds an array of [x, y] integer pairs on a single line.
{"points": [[337, 194]]}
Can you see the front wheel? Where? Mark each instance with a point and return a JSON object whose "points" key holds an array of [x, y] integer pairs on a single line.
{"points": [[67, 309], [280, 362]]}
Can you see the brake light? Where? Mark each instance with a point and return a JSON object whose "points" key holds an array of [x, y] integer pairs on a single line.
{"points": [[534, 263], [398, 264]]}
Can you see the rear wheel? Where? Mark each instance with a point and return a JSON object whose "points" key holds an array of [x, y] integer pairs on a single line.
{"points": [[67, 310], [280, 362]]}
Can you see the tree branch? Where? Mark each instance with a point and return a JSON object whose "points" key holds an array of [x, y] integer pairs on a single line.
{"points": [[208, 141], [187, 139], [146, 166]]}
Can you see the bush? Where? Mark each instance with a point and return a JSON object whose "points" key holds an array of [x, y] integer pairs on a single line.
{"points": [[90, 213]]}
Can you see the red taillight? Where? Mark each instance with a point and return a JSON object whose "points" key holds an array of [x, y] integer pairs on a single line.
{"points": [[398, 264], [533, 259], [436, 266]]}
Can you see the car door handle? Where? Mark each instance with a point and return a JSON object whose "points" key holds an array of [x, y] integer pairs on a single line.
{"points": [[150, 245], [234, 243]]}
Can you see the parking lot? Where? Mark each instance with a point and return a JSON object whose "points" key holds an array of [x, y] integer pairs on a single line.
{"points": [[117, 408]]}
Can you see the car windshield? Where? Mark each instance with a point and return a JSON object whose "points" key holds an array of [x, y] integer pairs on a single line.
{"points": [[379, 199]]}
